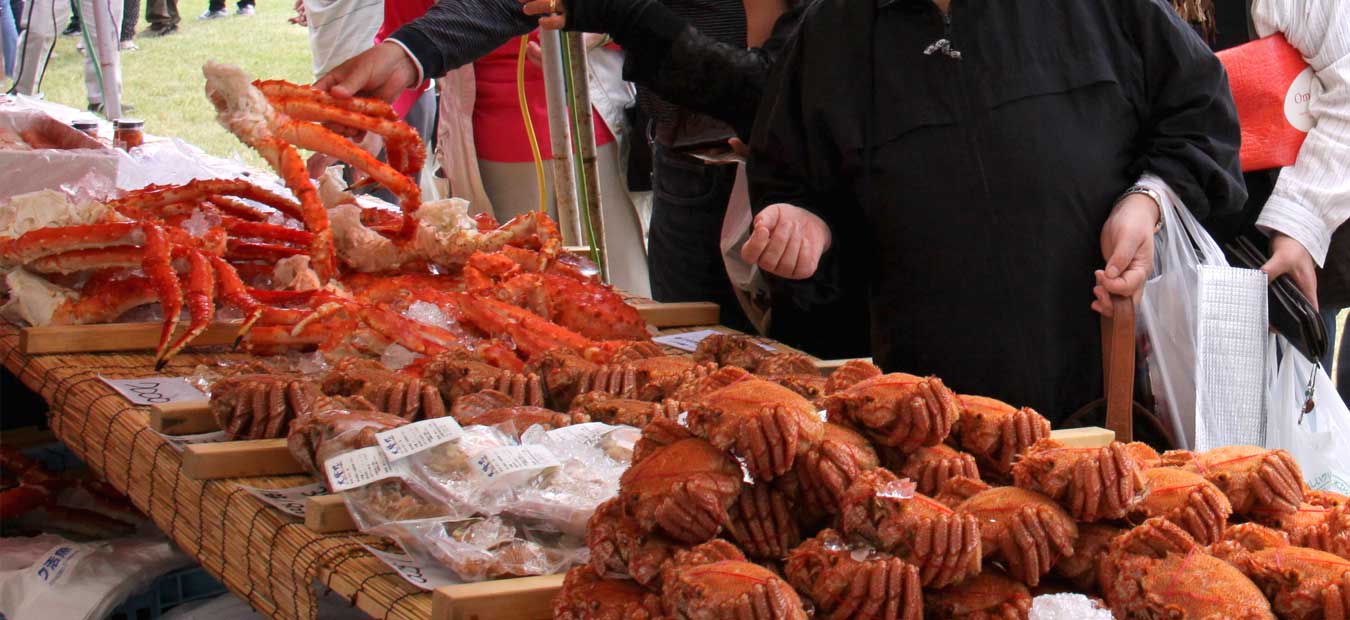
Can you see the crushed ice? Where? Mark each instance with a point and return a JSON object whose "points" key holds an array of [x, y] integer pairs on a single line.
{"points": [[395, 357], [1066, 607], [900, 489], [197, 225], [427, 314]]}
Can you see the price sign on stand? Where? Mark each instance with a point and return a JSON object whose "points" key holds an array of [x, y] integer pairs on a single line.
{"points": [[181, 442], [290, 500], [155, 390], [421, 574]]}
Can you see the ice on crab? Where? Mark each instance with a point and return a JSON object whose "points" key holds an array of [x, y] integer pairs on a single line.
{"points": [[428, 314], [1066, 607], [32, 299]]}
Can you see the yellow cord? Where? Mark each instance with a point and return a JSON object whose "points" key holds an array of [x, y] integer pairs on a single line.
{"points": [[529, 123]]}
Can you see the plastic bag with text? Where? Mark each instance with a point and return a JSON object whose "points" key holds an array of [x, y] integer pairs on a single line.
{"points": [[1204, 326], [1319, 439]]}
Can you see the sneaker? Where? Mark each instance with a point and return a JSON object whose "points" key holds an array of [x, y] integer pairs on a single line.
{"points": [[245, 11], [128, 46], [163, 32], [213, 14], [70, 31]]}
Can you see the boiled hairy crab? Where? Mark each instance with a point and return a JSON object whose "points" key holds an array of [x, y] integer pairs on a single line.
{"points": [[990, 595], [1301, 583], [407, 397], [1185, 499], [587, 596], [765, 424], [1091, 483], [898, 410], [996, 433], [683, 489], [568, 376], [819, 477], [762, 523], [1026, 531], [1254, 479], [931, 467], [853, 581], [714, 581], [887, 512], [620, 546]]}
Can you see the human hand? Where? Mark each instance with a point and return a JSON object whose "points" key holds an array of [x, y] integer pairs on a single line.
{"points": [[553, 12], [1289, 257], [1127, 246], [788, 241], [381, 72], [740, 148]]}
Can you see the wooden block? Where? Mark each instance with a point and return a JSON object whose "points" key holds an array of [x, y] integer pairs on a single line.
{"points": [[187, 417], [239, 459], [1089, 437], [828, 366], [112, 337], [525, 598], [328, 514], [682, 314], [581, 250]]}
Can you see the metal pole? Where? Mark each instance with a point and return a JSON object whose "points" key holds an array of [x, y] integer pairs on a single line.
{"points": [[564, 186], [584, 138]]}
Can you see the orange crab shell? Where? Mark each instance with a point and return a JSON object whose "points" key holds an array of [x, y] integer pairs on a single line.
{"points": [[619, 546], [1028, 531], [996, 432], [1081, 567], [898, 410], [819, 478], [586, 596], [729, 589], [931, 467], [1186, 499], [683, 489], [762, 523], [848, 582], [990, 595], [766, 424], [1302, 583], [1091, 483], [1253, 478]]}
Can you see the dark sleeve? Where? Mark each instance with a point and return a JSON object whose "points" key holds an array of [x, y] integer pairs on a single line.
{"points": [[1190, 135], [454, 33]]}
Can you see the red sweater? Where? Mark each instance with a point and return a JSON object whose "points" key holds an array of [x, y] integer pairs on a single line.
{"points": [[498, 129]]}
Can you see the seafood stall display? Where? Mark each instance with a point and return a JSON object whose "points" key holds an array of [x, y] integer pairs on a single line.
{"points": [[479, 400]]}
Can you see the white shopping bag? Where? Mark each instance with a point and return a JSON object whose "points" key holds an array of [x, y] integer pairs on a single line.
{"points": [[1204, 326], [1318, 439], [751, 288]]}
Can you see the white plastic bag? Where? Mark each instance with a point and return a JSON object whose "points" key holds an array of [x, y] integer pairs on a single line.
{"points": [[1205, 327], [1320, 439], [81, 581]]}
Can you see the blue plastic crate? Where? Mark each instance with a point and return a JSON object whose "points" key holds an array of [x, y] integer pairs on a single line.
{"points": [[170, 590]]}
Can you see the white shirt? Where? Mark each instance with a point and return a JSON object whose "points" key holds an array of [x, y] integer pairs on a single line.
{"points": [[1312, 197]]}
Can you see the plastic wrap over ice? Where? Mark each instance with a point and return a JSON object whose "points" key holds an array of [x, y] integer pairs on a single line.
{"points": [[492, 548]]}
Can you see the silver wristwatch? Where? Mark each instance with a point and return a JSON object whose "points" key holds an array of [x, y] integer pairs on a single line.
{"points": [[1151, 193]]}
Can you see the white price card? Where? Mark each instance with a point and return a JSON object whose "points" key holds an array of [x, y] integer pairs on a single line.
{"points": [[290, 500], [181, 442], [409, 439], [688, 341], [57, 564], [514, 463], [358, 468], [424, 575], [579, 434], [155, 390]]}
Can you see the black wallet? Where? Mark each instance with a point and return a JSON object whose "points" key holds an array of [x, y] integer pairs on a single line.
{"points": [[1291, 313]]}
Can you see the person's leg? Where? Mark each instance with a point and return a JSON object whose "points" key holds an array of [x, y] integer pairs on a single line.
{"points": [[74, 26], [513, 189], [215, 6], [624, 249], [131, 13], [689, 201], [104, 57], [9, 37], [41, 22]]}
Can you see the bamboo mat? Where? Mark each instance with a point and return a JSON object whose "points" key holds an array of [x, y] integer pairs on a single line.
{"points": [[270, 559]]}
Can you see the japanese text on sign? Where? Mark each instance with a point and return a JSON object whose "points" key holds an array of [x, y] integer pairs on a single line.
{"points": [[410, 439], [357, 468]]}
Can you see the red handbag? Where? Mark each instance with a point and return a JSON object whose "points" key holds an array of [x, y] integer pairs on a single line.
{"points": [[1272, 86]]}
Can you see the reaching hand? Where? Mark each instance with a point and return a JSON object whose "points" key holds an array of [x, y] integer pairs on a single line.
{"points": [[381, 72], [554, 12], [1289, 257], [1127, 246], [788, 241]]}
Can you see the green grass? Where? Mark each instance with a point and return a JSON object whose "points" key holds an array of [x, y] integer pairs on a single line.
{"points": [[163, 79]]}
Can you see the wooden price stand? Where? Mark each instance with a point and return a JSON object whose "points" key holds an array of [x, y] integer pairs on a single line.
{"points": [[194, 494]]}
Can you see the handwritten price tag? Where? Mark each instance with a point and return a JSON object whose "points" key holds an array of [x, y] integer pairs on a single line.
{"points": [[290, 500], [358, 468], [181, 442], [421, 574], [410, 439], [155, 390], [688, 341]]}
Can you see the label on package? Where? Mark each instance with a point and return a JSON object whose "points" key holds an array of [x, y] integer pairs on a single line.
{"points": [[358, 468], [587, 433], [155, 390], [504, 461], [409, 439], [290, 500], [421, 574], [181, 442], [688, 341], [57, 564]]}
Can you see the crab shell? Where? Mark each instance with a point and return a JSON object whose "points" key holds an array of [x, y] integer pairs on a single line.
{"points": [[1027, 531], [619, 546], [762, 523], [729, 589], [1186, 499], [851, 373], [766, 424], [931, 467], [819, 478], [586, 596], [996, 432], [850, 582], [886, 512], [683, 490], [898, 410], [1318, 527], [1254, 479], [1091, 483], [1081, 567], [1157, 571], [456, 376], [1302, 583], [990, 595], [602, 407], [737, 350]]}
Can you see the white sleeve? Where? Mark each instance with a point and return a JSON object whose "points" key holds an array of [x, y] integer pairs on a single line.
{"points": [[1312, 197]]}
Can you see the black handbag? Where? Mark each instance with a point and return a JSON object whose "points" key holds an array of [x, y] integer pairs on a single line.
{"points": [[1291, 313]]}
